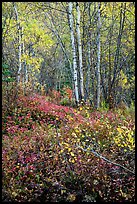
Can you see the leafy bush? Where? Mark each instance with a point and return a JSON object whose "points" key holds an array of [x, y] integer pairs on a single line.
{"points": [[7, 75], [8, 89], [65, 102], [48, 153]]}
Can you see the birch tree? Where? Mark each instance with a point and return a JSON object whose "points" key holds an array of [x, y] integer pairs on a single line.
{"points": [[89, 54], [79, 51], [98, 57], [110, 63], [75, 74], [47, 28], [19, 42]]}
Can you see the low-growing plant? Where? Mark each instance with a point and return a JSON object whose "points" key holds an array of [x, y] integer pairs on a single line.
{"points": [[57, 153]]}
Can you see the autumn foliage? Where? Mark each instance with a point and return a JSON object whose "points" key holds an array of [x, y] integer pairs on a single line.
{"points": [[46, 153]]}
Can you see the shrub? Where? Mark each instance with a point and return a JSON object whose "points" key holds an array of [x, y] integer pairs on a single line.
{"points": [[47, 155]]}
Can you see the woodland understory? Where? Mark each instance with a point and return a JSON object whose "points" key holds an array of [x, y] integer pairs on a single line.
{"points": [[68, 102]]}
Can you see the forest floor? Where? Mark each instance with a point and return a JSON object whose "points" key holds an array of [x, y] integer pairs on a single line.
{"points": [[54, 153]]}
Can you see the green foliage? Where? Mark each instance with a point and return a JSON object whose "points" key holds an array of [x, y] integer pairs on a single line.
{"points": [[123, 80], [8, 90], [65, 102], [7, 74], [132, 107], [104, 106]]}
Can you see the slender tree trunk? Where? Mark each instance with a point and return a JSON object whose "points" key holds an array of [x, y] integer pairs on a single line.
{"points": [[98, 58], [75, 74], [24, 66], [24, 63], [63, 48], [23, 50], [89, 55], [116, 60], [62, 45], [79, 51], [110, 64], [19, 43], [109, 77]]}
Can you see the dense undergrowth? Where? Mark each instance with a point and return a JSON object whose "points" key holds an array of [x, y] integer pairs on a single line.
{"points": [[48, 153]]}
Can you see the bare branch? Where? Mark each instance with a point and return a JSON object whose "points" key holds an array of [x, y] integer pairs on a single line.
{"points": [[107, 160]]}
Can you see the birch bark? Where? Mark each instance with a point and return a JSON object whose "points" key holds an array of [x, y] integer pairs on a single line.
{"points": [[79, 51], [19, 43], [75, 74], [98, 57], [88, 94]]}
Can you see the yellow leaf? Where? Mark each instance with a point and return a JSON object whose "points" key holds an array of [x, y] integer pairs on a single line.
{"points": [[71, 197], [123, 127], [88, 148], [74, 134], [72, 160], [72, 154], [63, 191], [14, 194], [77, 130], [119, 130]]}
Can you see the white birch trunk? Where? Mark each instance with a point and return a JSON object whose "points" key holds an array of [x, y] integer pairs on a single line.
{"points": [[79, 50], [74, 53], [19, 43], [98, 58], [25, 65], [89, 55]]}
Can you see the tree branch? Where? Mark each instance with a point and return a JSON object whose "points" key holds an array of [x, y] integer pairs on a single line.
{"points": [[107, 160]]}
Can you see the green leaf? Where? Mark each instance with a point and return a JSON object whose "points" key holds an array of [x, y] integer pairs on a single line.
{"points": [[5, 66], [38, 177]]}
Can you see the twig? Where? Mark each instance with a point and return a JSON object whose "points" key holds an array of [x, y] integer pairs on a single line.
{"points": [[100, 156]]}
